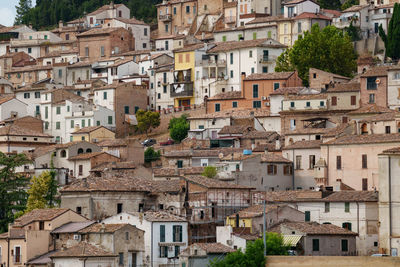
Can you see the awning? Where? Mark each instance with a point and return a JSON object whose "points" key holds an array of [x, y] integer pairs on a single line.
{"points": [[291, 240]]}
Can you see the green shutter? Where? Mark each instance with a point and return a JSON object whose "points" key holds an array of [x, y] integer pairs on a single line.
{"points": [[136, 109], [345, 245], [72, 124], [46, 112], [315, 244], [162, 233], [180, 233], [347, 207], [110, 120], [254, 35], [180, 164], [307, 216], [98, 123], [83, 124], [224, 38]]}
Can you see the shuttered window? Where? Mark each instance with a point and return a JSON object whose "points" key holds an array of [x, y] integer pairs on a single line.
{"points": [[162, 233]]}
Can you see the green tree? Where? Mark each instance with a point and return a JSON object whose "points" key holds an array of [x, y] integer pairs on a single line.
{"points": [[147, 120], [40, 192], [178, 128], [349, 3], [151, 155], [329, 49], [12, 188], [353, 32], [275, 244], [22, 9], [209, 172], [330, 4], [392, 38]]}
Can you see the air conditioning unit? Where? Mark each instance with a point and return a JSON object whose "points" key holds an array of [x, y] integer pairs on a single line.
{"points": [[77, 237]]}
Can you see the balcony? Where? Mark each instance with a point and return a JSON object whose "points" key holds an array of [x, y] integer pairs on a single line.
{"points": [[213, 63], [379, 16], [268, 59], [182, 89], [165, 18]]}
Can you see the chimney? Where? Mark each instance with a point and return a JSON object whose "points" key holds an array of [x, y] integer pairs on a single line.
{"points": [[76, 128], [60, 24], [243, 76]]}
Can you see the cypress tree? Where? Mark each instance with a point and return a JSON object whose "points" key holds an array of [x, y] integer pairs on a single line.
{"points": [[23, 8], [391, 39]]}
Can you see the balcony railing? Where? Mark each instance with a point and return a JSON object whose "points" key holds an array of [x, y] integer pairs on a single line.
{"points": [[184, 89], [213, 63], [166, 17], [268, 59]]}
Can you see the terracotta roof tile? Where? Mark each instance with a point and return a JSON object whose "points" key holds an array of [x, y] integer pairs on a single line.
{"points": [[255, 211], [235, 129], [15, 130], [268, 136], [174, 172], [72, 227], [232, 45], [131, 21], [304, 145], [270, 76], [390, 116], [274, 158], [39, 215], [83, 249], [266, 19], [345, 87], [234, 113], [306, 97], [212, 248], [395, 150], [98, 31], [309, 15], [159, 216], [370, 109], [88, 129], [213, 183], [378, 71], [365, 139], [287, 91], [314, 228], [103, 228], [227, 95], [103, 8]]}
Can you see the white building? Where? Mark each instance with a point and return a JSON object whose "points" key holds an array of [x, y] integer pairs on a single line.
{"points": [[166, 235], [11, 107], [296, 7]]}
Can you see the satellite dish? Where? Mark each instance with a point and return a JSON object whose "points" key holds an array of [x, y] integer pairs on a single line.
{"points": [[226, 77]]}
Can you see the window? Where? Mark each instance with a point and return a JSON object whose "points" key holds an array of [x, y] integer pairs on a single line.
{"points": [[353, 100], [63, 154], [80, 170], [256, 104], [338, 162], [166, 27], [347, 207], [17, 254], [86, 51], [46, 125], [205, 7], [252, 70], [119, 207], [365, 184], [371, 98], [126, 109], [231, 73], [387, 129], [164, 89], [334, 100], [254, 35], [102, 51], [364, 161], [307, 216], [287, 170], [276, 86], [299, 27], [315, 244], [255, 90], [265, 69], [41, 225], [177, 233], [292, 104], [321, 103], [217, 107], [177, 250], [121, 258], [298, 162], [251, 53], [167, 47], [180, 163], [271, 169], [163, 252], [224, 38], [29, 50], [194, 9], [187, 9], [80, 150], [371, 83], [79, 210], [158, 96], [308, 104], [327, 206], [126, 235], [110, 120], [231, 58], [234, 104], [27, 95], [162, 233], [72, 124], [136, 109], [312, 161], [104, 95], [346, 225], [58, 110], [58, 125], [174, 11], [345, 245], [83, 123]]}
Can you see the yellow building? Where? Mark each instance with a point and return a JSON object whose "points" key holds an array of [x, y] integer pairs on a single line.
{"points": [[182, 90], [93, 134], [285, 30]]}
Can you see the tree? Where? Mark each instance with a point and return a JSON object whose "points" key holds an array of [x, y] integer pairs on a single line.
{"points": [[178, 128], [209, 172], [12, 188], [392, 38], [275, 244], [353, 32], [23, 8], [329, 4], [151, 155], [41, 194], [147, 120], [350, 3], [329, 50]]}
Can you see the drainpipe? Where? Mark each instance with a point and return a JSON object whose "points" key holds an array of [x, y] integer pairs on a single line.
{"points": [[390, 205], [151, 249], [358, 217], [293, 187]]}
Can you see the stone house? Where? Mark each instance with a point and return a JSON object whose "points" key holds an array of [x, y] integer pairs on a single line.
{"points": [[252, 217], [67, 235], [93, 134], [21, 76], [200, 254], [122, 239], [83, 163], [101, 197], [320, 79], [126, 149], [319, 239], [104, 42], [344, 96], [235, 237], [374, 86], [8, 33], [29, 236], [304, 21], [165, 234], [393, 85], [14, 59], [11, 107]]}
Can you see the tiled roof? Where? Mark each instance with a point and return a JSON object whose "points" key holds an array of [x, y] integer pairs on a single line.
{"points": [[293, 2], [269, 76], [235, 129], [268, 136], [14, 233], [41, 260], [113, 142], [376, 72], [304, 145], [395, 150], [99, 31], [390, 116], [234, 113], [213, 183], [306, 97], [355, 8], [15, 130], [188, 48], [265, 19], [227, 95], [230, 4], [309, 130], [174, 172], [29, 68], [255, 211], [345, 87], [72, 227], [335, 13], [370, 109], [328, 73], [352, 196], [211, 248], [214, 152], [131, 21], [365, 139], [232, 45], [103, 8], [39, 215], [314, 228], [309, 15], [159, 216], [274, 158], [126, 165], [88, 129], [103, 228], [121, 184], [83, 249], [6, 98], [287, 91]]}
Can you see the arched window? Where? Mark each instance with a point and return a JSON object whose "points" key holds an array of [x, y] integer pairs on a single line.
{"points": [[89, 150], [364, 128], [80, 150], [63, 154]]}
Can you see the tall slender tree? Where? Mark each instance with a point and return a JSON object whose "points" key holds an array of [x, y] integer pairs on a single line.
{"points": [[13, 195], [23, 8], [391, 39]]}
